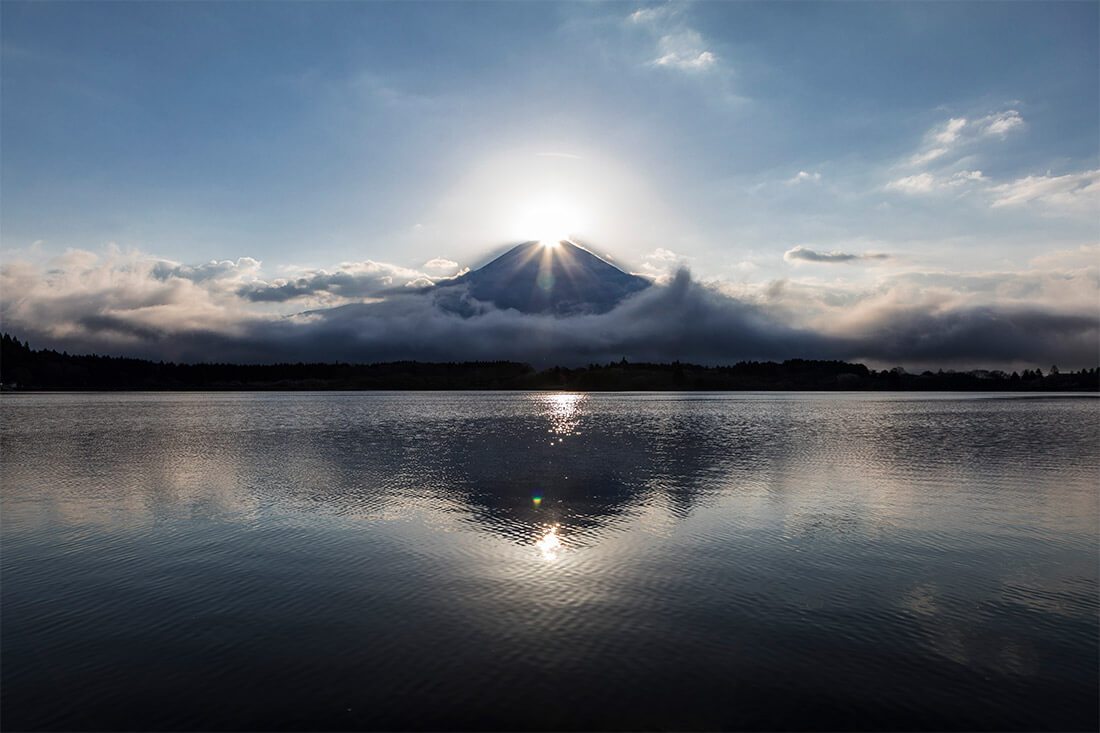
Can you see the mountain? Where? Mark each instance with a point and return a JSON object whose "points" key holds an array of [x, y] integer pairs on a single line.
{"points": [[563, 279]]}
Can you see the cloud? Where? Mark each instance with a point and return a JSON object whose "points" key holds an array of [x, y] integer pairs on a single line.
{"points": [[353, 280], [927, 156], [137, 293], [124, 303], [662, 254], [1000, 124], [950, 130], [804, 177], [440, 263], [804, 254], [918, 183], [924, 183], [1074, 192], [958, 134], [684, 50], [650, 15], [963, 177], [660, 261], [678, 46], [570, 156], [1083, 257], [980, 335], [243, 267]]}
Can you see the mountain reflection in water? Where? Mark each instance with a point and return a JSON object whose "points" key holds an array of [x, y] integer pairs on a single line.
{"points": [[548, 561]]}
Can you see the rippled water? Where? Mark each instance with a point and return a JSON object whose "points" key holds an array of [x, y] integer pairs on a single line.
{"points": [[549, 561]]}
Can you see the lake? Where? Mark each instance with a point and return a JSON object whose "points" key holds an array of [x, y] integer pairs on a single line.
{"points": [[458, 560]]}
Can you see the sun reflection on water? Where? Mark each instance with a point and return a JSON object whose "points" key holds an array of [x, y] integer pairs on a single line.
{"points": [[563, 411], [550, 544]]}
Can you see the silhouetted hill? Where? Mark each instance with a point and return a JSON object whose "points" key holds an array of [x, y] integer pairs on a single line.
{"points": [[28, 369]]}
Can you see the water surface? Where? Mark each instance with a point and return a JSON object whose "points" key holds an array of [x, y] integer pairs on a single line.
{"points": [[549, 561]]}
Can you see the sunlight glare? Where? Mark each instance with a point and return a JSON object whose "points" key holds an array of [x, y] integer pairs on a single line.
{"points": [[564, 411], [549, 219], [549, 544]]}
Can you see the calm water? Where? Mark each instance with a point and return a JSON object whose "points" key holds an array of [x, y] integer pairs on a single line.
{"points": [[549, 561]]}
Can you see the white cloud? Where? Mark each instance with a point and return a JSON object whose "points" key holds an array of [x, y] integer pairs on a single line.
{"points": [[440, 263], [925, 183], [678, 45], [964, 177], [959, 132], [1071, 192], [921, 158], [244, 268], [660, 260], [915, 184], [803, 176], [650, 15], [349, 282], [959, 141], [1000, 124], [684, 50], [950, 131], [152, 295], [1087, 255]]}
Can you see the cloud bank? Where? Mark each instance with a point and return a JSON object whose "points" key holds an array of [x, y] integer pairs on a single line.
{"points": [[132, 304]]}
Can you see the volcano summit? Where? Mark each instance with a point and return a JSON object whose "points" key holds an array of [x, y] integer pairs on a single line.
{"points": [[562, 279]]}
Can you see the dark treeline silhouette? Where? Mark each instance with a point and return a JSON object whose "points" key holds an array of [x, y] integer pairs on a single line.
{"points": [[24, 368]]}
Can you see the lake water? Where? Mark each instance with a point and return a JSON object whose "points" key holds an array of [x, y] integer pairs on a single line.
{"points": [[549, 561]]}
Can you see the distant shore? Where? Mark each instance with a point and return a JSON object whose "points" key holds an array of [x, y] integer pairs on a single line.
{"points": [[25, 369]]}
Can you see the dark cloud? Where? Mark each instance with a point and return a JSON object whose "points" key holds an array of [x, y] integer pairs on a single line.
{"points": [[982, 334], [105, 325], [683, 320], [808, 255]]}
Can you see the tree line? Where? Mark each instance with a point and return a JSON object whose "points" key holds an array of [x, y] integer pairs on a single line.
{"points": [[24, 368]]}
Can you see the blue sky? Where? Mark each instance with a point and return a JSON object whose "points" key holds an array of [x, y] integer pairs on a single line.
{"points": [[917, 140]]}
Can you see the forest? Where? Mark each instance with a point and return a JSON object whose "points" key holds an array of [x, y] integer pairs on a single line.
{"points": [[24, 368]]}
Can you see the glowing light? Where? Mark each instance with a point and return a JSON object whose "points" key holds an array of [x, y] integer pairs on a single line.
{"points": [[550, 219], [550, 544], [537, 500]]}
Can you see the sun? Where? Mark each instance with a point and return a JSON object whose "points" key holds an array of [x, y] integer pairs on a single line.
{"points": [[550, 219]]}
